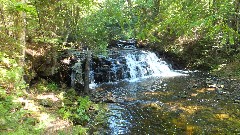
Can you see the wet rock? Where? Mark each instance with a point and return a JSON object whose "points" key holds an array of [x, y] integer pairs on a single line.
{"points": [[237, 100], [96, 97], [103, 97], [123, 43], [214, 84], [195, 85], [109, 69], [77, 76], [109, 98]]}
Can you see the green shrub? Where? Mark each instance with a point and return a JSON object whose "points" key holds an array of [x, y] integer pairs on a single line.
{"points": [[231, 70], [44, 86], [14, 120], [76, 108], [52, 86], [10, 72], [75, 130]]}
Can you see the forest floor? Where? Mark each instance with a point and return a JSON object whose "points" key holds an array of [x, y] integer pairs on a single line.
{"points": [[43, 107]]}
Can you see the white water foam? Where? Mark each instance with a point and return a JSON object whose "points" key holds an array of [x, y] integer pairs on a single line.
{"points": [[139, 65], [147, 64]]}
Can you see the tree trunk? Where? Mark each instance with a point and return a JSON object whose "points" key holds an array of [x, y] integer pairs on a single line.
{"points": [[87, 73], [23, 35]]}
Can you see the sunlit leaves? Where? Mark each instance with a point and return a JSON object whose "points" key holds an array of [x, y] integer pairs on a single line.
{"points": [[25, 8], [94, 23]]}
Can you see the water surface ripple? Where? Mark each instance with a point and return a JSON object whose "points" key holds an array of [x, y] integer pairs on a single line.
{"points": [[172, 105]]}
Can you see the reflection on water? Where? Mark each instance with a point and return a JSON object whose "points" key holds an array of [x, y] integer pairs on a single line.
{"points": [[118, 119], [177, 105]]}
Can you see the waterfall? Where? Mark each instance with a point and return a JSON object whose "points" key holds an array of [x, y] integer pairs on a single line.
{"points": [[146, 63], [129, 64]]}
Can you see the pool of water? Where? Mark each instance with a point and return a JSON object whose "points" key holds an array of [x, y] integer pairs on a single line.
{"points": [[192, 104]]}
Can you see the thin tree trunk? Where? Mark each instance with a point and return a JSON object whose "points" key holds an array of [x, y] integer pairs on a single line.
{"points": [[23, 35], [87, 73]]}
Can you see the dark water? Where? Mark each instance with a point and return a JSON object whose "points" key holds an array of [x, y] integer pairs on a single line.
{"points": [[192, 104]]}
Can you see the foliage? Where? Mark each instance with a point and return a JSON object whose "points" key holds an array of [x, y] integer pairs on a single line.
{"points": [[94, 24], [52, 86], [44, 86], [76, 109], [232, 70], [13, 119], [193, 31], [76, 130], [10, 73], [209, 27]]}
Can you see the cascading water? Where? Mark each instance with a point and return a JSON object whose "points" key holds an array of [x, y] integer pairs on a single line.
{"points": [[146, 63], [141, 69], [129, 64], [156, 104]]}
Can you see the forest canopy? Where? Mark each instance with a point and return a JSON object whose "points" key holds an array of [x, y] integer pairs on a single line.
{"points": [[94, 23]]}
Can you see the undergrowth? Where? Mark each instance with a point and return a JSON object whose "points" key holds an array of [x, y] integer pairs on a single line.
{"points": [[230, 70], [14, 120], [76, 108]]}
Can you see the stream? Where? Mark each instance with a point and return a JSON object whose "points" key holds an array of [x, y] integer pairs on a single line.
{"points": [[153, 99]]}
